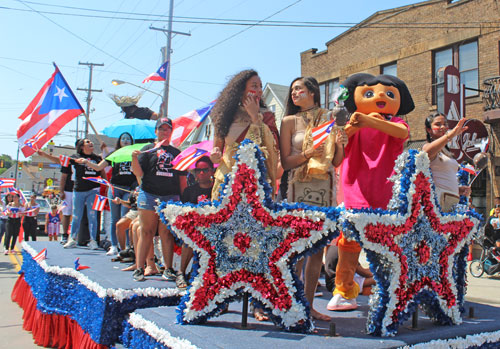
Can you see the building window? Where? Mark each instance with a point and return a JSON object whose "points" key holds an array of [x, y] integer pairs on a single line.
{"points": [[327, 93], [389, 69], [272, 108], [465, 58]]}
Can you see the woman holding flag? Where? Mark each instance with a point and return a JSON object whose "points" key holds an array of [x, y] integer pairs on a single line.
{"points": [[84, 191], [14, 214], [311, 164], [121, 178], [31, 210]]}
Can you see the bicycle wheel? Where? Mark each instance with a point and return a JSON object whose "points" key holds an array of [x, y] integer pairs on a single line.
{"points": [[476, 268]]}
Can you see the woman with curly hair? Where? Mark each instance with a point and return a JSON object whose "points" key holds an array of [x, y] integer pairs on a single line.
{"points": [[238, 114]]}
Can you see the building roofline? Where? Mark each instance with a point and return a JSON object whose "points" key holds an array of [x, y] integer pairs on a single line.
{"points": [[390, 12]]}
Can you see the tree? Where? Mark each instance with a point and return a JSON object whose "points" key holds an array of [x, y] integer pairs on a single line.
{"points": [[6, 161]]}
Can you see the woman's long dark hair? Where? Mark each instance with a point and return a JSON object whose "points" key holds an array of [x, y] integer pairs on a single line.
{"points": [[313, 87], [428, 124], [228, 101]]}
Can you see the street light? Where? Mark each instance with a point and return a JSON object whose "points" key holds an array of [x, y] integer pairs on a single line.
{"points": [[121, 82]]}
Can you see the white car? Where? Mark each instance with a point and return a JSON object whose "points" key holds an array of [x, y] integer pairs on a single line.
{"points": [[44, 209]]}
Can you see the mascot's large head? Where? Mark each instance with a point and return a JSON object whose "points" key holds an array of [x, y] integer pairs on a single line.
{"points": [[383, 94]]}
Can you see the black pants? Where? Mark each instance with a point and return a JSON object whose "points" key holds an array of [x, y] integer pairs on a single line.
{"points": [[29, 226], [13, 227]]}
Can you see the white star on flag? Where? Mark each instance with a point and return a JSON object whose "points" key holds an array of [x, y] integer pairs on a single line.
{"points": [[60, 93]]}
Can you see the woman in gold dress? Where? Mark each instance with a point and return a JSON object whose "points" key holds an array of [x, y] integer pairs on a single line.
{"points": [[239, 114], [311, 177]]}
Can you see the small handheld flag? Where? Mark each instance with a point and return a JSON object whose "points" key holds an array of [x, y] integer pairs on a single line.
{"points": [[184, 163], [99, 203], [61, 207], [157, 146], [41, 255], [64, 160], [159, 75], [101, 181], [32, 142], [321, 132], [7, 182], [78, 266]]}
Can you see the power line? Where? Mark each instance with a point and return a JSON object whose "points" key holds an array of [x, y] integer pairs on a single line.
{"points": [[252, 22], [237, 33]]}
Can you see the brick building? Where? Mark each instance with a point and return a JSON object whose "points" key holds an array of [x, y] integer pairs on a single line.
{"points": [[413, 42]]}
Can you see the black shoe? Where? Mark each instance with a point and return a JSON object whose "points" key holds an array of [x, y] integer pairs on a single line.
{"points": [[128, 253], [139, 275], [169, 274]]}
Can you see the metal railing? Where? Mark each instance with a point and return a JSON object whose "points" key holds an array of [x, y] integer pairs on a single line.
{"points": [[491, 95]]}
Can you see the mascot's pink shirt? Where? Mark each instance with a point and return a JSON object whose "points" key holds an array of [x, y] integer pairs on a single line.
{"points": [[368, 164]]}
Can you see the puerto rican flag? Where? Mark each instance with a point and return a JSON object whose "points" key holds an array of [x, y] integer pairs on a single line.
{"points": [[78, 266], [32, 142], [7, 182], [51, 109], [31, 213], [321, 133], [64, 160], [470, 169], [99, 203], [183, 164], [157, 146], [101, 181], [159, 75], [41, 255], [185, 124], [61, 207]]}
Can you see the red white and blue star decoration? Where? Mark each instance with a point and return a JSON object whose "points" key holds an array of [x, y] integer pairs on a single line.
{"points": [[416, 253], [247, 243]]}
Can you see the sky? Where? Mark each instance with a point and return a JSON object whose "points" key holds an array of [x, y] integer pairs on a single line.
{"points": [[117, 33]]}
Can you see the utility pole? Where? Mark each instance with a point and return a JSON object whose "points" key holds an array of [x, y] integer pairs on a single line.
{"points": [[166, 54], [89, 95]]}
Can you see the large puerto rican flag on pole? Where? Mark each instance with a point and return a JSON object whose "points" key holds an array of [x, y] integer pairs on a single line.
{"points": [[53, 107], [159, 75], [185, 124]]}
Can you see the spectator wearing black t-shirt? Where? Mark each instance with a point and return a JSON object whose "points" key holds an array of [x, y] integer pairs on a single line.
{"points": [[84, 191], [66, 192], [121, 178], [199, 192], [159, 182]]}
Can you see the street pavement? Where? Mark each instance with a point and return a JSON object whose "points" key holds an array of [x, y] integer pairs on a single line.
{"points": [[485, 290]]}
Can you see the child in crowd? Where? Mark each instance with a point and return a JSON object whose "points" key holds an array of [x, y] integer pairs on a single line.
{"points": [[52, 222]]}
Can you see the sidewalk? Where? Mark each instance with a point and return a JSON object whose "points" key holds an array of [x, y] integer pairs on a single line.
{"points": [[11, 322]]}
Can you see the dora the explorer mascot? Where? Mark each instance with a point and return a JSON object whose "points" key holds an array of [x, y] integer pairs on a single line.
{"points": [[376, 139]]}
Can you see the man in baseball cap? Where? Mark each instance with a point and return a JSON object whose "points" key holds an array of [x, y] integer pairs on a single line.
{"points": [[163, 121]]}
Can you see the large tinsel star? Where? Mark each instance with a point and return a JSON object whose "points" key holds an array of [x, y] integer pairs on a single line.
{"points": [[416, 252], [247, 243]]}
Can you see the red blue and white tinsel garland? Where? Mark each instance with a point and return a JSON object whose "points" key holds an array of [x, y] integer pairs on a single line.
{"points": [[72, 297], [416, 253], [245, 242]]}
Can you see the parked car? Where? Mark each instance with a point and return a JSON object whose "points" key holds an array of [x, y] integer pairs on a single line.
{"points": [[44, 209]]}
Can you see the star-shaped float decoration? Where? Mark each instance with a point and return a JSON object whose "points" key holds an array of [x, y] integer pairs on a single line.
{"points": [[417, 253], [247, 243]]}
